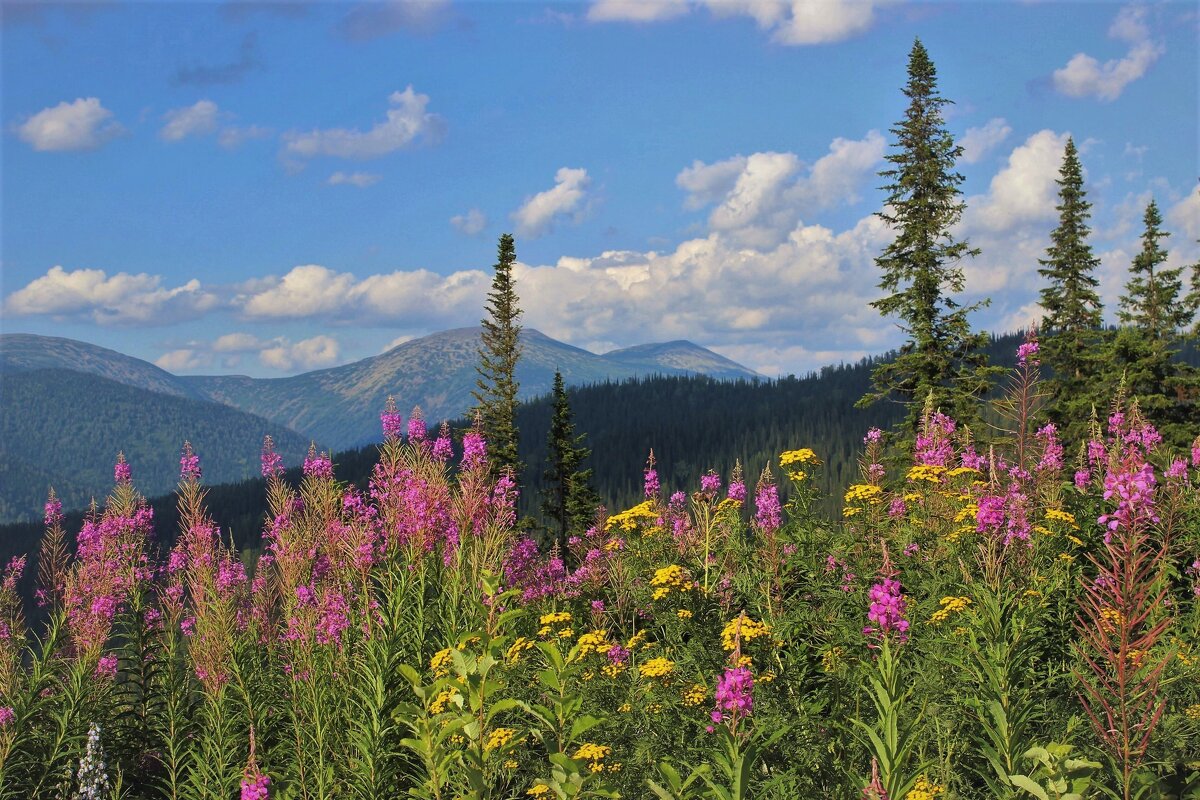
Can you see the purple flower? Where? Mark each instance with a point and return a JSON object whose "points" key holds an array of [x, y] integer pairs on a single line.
{"points": [[874, 436], [734, 695], [651, 486], [737, 491], [7, 715], [887, 611], [121, 471], [1052, 451], [474, 451], [255, 786], [1082, 479], [1027, 352], [1133, 487], [1177, 469], [272, 463], [107, 666], [710, 483], [933, 446], [189, 464], [442, 448], [318, 465], [897, 508], [768, 514], [53, 511]]}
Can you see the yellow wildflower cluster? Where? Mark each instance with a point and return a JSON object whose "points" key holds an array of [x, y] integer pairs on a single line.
{"points": [[624, 708], [549, 621], [850, 511], [956, 534], [683, 613], [804, 455], [594, 642], [767, 677], [1043, 530], [611, 670], [1067, 557], [924, 789], [444, 698], [864, 493], [671, 577], [440, 663], [636, 639], [949, 605], [742, 629], [516, 648], [629, 519], [967, 513], [1111, 618], [510, 764], [930, 473], [1062, 516], [656, 668], [695, 694], [538, 790], [1075, 540], [831, 659], [595, 753], [498, 737], [954, 473], [1193, 711]]}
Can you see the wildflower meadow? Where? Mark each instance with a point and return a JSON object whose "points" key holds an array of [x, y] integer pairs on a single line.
{"points": [[989, 617]]}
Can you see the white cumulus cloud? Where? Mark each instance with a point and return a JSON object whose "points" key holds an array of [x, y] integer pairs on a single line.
{"points": [[636, 10], [471, 223], [120, 299], [185, 359], [319, 351], [407, 121], [1185, 216], [360, 179], [1085, 76], [80, 125], [978, 142], [1025, 189], [538, 213], [199, 119]]}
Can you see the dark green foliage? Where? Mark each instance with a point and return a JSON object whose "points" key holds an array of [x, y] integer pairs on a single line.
{"points": [[1073, 327], [922, 266], [568, 500], [1155, 316], [499, 351], [71, 444]]}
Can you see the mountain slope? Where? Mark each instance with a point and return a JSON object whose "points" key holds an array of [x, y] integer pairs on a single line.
{"points": [[63, 428], [339, 407], [21, 352]]}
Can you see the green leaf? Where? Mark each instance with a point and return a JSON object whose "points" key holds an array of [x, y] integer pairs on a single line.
{"points": [[1028, 785]]}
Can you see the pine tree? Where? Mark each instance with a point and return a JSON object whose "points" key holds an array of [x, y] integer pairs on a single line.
{"points": [[922, 266], [1155, 316], [568, 497], [1073, 325], [499, 351]]}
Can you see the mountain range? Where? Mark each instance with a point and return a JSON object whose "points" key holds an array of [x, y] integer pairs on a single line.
{"points": [[67, 407]]}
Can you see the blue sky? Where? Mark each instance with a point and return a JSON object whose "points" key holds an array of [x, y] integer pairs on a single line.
{"points": [[269, 188]]}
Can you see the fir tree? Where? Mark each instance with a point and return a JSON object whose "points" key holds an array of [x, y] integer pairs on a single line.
{"points": [[1155, 316], [922, 266], [1073, 325], [499, 351], [568, 499]]}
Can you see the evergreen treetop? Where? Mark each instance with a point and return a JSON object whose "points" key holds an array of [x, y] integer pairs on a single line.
{"points": [[499, 350], [922, 266], [568, 498]]}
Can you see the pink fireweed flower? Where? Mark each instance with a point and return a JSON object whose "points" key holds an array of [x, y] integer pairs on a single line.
{"points": [[1133, 487], [474, 451], [650, 484], [768, 514], [390, 419], [121, 471], [710, 483], [416, 427], [1052, 451], [933, 446], [189, 464], [897, 508], [1027, 353], [54, 515], [7, 715], [318, 466], [272, 463], [256, 786], [887, 611], [1082, 479], [1196, 453], [737, 491], [107, 666], [442, 447], [1177, 470], [971, 459], [874, 436], [334, 618], [734, 695]]}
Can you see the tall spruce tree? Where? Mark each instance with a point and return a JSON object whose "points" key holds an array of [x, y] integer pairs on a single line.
{"points": [[499, 350], [1073, 326], [1155, 315], [922, 266], [568, 498]]}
